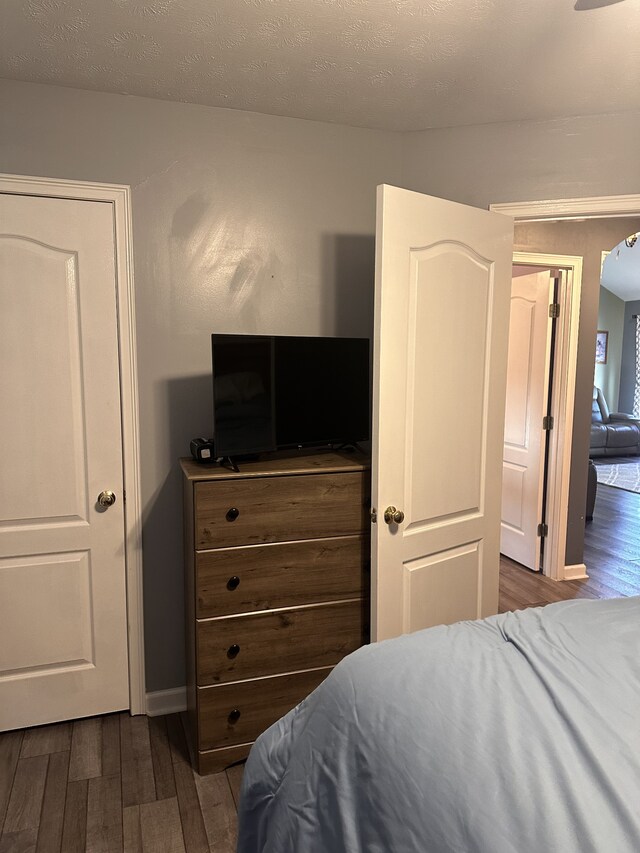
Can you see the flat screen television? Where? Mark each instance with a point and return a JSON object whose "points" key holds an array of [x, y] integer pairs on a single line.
{"points": [[277, 392]]}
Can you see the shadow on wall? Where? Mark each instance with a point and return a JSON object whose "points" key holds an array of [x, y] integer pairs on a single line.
{"points": [[187, 406], [348, 276], [345, 300], [221, 259]]}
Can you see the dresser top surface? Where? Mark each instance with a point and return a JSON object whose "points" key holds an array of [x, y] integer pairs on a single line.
{"points": [[277, 464]]}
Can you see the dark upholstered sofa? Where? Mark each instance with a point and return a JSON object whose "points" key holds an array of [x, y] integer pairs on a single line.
{"points": [[612, 433]]}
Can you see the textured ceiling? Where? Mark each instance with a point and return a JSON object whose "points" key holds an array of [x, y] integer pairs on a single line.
{"points": [[394, 64]]}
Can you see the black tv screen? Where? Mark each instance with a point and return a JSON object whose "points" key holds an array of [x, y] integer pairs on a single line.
{"points": [[275, 392]]}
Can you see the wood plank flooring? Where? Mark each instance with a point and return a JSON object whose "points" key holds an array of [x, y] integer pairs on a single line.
{"points": [[611, 554], [121, 784], [112, 784]]}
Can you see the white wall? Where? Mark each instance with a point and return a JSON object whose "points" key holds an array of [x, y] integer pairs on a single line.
{"points": [[526, 161], [245, 222], [242, 223]]}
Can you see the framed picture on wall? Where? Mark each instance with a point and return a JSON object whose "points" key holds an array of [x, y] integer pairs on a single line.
{"points": [[602, 342]]}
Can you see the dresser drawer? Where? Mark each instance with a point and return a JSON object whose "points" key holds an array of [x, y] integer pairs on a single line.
{"points": [[278, 509], [238, 713], [289, 574], [260, 644]]}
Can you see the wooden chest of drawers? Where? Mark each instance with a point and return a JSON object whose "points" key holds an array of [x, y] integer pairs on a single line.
{"points": [[277, 590]]}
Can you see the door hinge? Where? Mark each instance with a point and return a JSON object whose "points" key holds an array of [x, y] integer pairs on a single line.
{"points": [[124, 495], [554, 310], [543, 529], [373, 514], [547, 422]]}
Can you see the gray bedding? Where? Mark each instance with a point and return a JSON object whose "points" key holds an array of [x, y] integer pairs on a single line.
{"points": [[517, 733]]}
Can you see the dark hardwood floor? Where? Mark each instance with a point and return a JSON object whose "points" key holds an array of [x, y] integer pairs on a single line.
{"points": [[611, 554], [112, 784], [121, 784]]}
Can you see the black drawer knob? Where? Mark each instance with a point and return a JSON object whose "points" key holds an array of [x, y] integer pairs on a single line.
{"points": [[232, 513], [233, 583], [234, 716], [233, 651]]}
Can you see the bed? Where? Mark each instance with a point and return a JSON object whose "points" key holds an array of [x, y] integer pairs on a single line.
{"points": [[516, 733]]}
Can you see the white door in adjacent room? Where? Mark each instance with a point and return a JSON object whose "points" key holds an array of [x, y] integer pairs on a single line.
{"points": [[443, 280], [63, 628], [526, 406]]}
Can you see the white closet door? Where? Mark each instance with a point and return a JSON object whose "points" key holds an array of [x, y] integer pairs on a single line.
{"points": [[63, 631]]}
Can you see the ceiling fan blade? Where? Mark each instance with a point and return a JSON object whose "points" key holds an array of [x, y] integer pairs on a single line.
{"points": [[584, 5]]}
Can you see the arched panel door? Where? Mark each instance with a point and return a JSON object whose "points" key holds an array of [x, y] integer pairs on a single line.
{"points": [[524, 435], [63, 628], [443, 279]]}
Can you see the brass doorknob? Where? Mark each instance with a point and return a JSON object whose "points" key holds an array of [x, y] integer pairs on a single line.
{"points": [[393, 515], [106, 499]]}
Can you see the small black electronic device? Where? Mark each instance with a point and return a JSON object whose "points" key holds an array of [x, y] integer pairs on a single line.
{"points": [[202, 449]]}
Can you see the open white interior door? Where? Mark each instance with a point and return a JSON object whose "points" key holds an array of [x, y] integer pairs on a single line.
{"points": [[526, 405], [443, 281]]}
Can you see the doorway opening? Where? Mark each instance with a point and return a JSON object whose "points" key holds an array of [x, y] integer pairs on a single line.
{"points": [[542, 226], [613, 509], [546, 291]]}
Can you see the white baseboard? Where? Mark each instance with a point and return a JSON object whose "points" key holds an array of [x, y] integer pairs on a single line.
{"points": [[578, 572], [166, 701]]}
